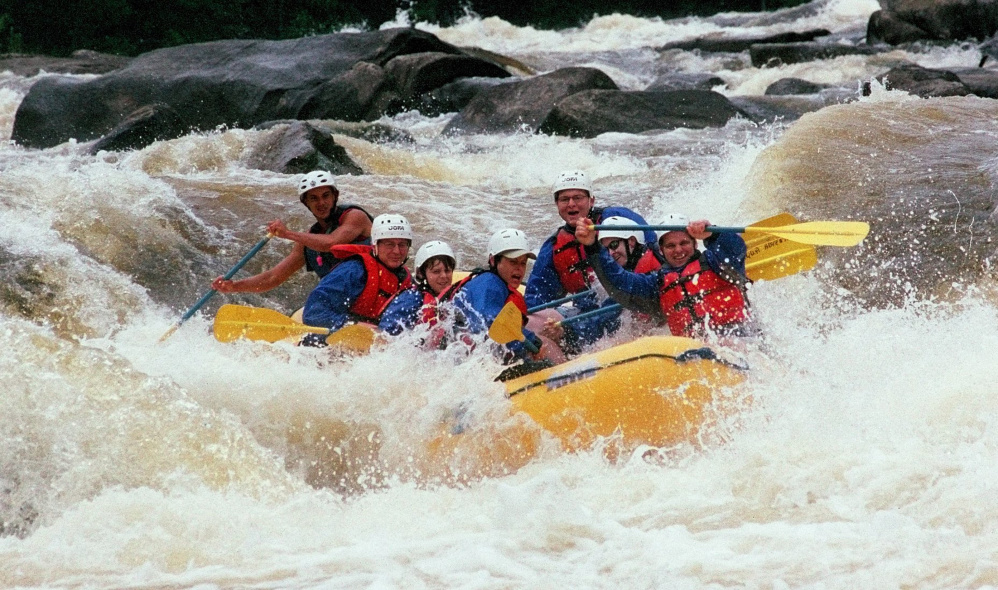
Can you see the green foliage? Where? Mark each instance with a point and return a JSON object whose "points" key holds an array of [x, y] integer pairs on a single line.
{"points": [[129, 27]]}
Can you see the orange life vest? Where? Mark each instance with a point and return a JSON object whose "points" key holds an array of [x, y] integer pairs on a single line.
{"points": [[569, 261], [697, 293], [383, 283]]}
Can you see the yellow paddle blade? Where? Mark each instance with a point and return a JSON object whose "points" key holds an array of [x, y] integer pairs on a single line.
{"points": [[508, 325], [771, 257], [257, 323], [819, 233]]}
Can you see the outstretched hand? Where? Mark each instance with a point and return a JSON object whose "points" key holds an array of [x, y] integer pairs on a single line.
{"points": [[584, 232]]}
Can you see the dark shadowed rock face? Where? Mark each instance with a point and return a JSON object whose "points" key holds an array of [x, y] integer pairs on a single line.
{"points": [[982, 82], [939, 19], [147, 124], [525, 104], [686, 81], [785, 86], [736, 45], [240, 83], [923, 82], [592, 112], [886, 27], [775, 54], [299, 147]]}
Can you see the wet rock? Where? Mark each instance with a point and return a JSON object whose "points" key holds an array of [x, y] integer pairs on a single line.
{"points": [[772, 109], [980, 81], [372, 132], [451, 98], [238, 83], [145, 125], [82, 61], [939, 19], [777, 54], [785, 86], [301, 147], [686, 81], [736, 45], [592, 112], [886, 27], [924, 82], [525, 104], [422, 72]]}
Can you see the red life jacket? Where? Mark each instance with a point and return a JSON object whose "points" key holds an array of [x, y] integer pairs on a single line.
{"points": [[569, 260], [428, 312], [647, 263], [696, 293], [383, 284]]}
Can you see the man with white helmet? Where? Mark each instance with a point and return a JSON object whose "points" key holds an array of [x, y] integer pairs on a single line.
{"points": [[435, 263], [364, 283], [694, 292], [335, 224], [479, 297], [561, 267]]}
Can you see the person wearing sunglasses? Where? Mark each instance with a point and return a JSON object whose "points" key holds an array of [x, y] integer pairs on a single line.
{"points": [[561, 267]]}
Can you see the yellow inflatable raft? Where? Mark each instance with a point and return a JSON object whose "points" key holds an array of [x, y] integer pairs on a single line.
{"points": [[657, 391]]}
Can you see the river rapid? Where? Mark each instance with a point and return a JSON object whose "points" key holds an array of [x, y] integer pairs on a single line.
{"points": [[868, 457]]}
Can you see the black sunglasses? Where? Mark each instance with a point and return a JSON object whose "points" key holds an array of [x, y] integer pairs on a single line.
{"points": [[613, 244]]}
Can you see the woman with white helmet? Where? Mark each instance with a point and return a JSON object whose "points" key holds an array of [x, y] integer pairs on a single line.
{"points": [[626, 246], [479, 297], [435, 263], [334, 224], [694, 292], [364, 283]]}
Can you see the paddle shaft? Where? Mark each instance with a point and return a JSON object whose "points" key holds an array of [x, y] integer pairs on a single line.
{"points": [[211, 293], [711, 228], [589, 314], [557, 302]]}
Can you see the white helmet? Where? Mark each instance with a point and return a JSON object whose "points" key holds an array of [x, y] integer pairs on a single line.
{"points": [[434, 248], [511, 243], [390, 225], [312, 180], [674, 219], [620, 233], [572, 179]]}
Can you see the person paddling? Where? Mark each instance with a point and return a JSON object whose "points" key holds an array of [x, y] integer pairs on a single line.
{"points": [[335, 224], [435, 262], [693, 292], [368, 278], [479, 297], [562, 269], [627, 248]]}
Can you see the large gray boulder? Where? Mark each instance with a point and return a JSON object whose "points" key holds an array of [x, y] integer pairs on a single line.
{"points": [[298, 147], [592, 112], [82, 61], [717, 44], [240, 83], [901, 20], [525, 104]]}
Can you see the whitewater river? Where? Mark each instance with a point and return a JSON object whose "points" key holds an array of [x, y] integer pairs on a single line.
{"points": [[868, 457]]}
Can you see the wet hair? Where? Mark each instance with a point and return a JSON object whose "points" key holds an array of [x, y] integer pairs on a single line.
{"points": [[447, 261]]}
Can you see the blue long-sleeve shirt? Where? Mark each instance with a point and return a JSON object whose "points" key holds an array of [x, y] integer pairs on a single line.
{"points": [[403, 313], [328, 306], [480, 300], [543, 285], [640, 292]]}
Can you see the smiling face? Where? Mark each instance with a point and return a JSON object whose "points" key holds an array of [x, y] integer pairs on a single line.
{"points": [[617, 247], [573, 204], [512, 270], [320, 201], [438, 274], [677, 247], [393, 252]]}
